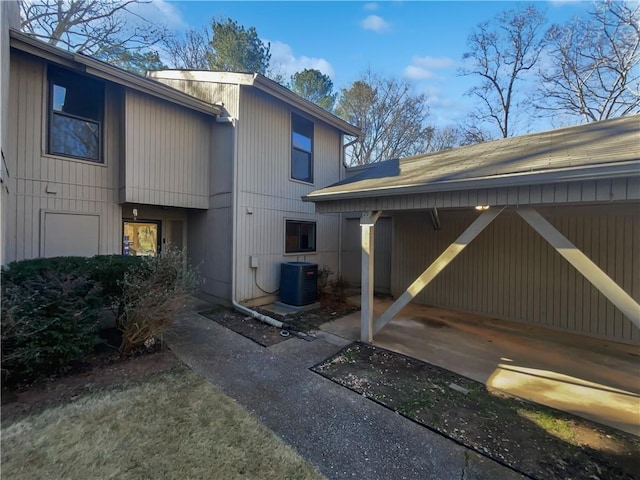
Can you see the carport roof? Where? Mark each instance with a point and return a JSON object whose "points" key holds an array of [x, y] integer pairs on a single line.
{"points": [[594, 151]]}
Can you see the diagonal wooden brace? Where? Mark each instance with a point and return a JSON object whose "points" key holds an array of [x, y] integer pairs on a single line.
{"points": [[610, 289], [438, 265]]}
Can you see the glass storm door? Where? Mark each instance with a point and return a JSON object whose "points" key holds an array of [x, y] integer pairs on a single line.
{"points": [[140, 238]]}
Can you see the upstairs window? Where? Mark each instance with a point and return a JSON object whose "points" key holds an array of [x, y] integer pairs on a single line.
{"points": [[76, 106], [300, 236], [301, 148]]}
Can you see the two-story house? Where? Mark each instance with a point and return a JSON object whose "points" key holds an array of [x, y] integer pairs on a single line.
{"points": [[102, 161], [271, 148]]}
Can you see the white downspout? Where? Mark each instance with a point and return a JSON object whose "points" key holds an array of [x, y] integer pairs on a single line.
{"points": [[234, 233]]}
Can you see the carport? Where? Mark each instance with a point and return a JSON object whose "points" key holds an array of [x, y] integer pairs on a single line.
{"points": [[542, 229]]}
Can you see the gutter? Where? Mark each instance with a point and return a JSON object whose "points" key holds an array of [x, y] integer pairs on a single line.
{"points": [[234, 234]]}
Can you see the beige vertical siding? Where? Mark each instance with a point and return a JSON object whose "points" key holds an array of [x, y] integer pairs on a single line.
{"points": [[267, 196], [218, 93], [510, 272], [43, 182], [352, 253], [210, 233], [167, 153]]}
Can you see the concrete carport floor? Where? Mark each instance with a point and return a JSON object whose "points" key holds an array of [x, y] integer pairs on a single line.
{"points": [[596, 379]]}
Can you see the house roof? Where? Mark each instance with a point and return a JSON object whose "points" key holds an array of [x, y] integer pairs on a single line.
{"points": [[97, 68], [266, 85], [606, 149]]}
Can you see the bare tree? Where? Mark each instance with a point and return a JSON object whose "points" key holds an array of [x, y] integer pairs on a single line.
{"points": [[226, 46], [593, 64], [93, 27], [391, 117], [191, 51], [443, 138], [501, 52]]}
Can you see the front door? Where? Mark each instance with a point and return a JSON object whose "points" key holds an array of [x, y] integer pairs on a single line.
{"points": [[141, 238]]}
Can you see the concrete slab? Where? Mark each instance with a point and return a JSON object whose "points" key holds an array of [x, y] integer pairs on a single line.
{"points": [[305, 353], [343, 434], [285, 309], [595, 379]]}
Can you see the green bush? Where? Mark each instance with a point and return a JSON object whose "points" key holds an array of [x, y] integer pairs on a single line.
{"points": [[18, 272], [324, 273], [50, 308], [106, 270], [48, 321], [109, 271], [152, 296]]}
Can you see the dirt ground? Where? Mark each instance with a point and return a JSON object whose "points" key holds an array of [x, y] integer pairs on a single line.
{"points": [[537, 441], [102, 369], [105, 368]]}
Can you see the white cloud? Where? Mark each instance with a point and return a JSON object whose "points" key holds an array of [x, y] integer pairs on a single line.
{"points": [[287, 63], [376, 24], [371, 6], [424, 68], [413, 72], [444, 109], [160, 12]]}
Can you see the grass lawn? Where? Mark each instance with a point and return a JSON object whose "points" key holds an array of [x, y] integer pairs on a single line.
{"points": [[173, 425]]}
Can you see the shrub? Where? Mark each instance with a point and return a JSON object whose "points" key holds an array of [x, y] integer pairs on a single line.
{"points": [[18, 272], [48, 320], [339, 287], [152, 295], [324, 273], [109, 272]]}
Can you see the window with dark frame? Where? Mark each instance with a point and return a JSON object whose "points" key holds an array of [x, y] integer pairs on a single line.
{"points": [[301, 148], [76, 111], [300, 236]]}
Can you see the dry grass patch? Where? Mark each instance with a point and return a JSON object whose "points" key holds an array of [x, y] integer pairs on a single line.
{"points": [[174, 425]]}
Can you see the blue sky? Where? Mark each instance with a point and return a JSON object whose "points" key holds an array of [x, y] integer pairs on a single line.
{"points": [[422, 42]]}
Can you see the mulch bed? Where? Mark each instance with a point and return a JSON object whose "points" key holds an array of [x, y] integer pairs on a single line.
{"points": [[267, 335], [249, 327], [509, 430]]}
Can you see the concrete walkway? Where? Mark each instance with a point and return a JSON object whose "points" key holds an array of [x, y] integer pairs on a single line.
{"points": [[338, 431]]}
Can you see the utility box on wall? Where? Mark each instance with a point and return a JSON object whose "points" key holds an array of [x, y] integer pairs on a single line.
{"points": [[298, 283]]}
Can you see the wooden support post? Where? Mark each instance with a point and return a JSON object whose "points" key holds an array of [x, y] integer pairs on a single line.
{"points": [[367, 222], [438, 265], [610, 289]]}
